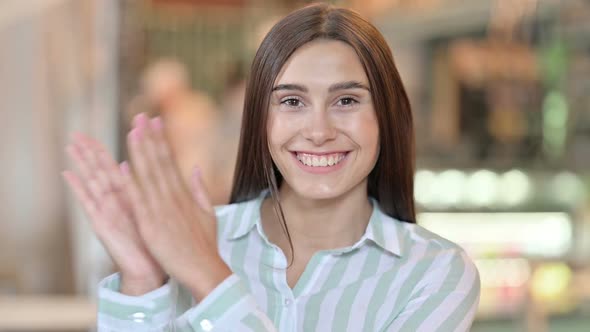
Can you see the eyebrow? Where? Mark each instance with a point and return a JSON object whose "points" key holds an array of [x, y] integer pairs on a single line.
{"points": [[347, 86], [334, 87]]}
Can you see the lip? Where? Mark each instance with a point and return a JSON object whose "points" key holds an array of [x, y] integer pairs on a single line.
{"points": [[320, 170], [316, 153]]}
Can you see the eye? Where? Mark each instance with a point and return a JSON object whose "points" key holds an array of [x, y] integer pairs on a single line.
{"points": [[347, 101], [292, 102]]}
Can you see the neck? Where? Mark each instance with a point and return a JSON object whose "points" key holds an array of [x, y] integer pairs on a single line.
{"points": [[318, 224]]}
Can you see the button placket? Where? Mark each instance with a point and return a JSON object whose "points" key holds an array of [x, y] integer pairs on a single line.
{"points": [[289, 312]]}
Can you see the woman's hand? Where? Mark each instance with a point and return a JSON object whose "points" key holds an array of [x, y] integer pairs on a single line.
{"points": [[101, 188], [180, 234]]}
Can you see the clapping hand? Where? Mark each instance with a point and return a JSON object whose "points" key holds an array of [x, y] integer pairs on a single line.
{"points": [[100, 186], [176, 228]]}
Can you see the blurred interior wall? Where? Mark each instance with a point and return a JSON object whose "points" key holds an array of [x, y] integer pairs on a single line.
{"points": [[57, 74]]}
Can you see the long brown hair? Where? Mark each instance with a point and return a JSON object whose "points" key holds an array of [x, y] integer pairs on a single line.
{"points": [[391, 182]]}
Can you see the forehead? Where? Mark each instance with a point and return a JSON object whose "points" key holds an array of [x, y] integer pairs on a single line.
{"points": [[322, 62]]}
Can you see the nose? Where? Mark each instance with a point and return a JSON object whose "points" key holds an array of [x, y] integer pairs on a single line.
{"points": [[319, 127]]}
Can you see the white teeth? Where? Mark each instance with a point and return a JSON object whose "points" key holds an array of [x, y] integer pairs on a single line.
{"points": [[315, 162], [320, 161]]}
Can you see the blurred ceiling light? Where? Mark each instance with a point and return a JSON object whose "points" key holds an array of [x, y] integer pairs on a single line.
{"points": [[543, 234], [450, 187], [514, 187], [425, 187], [482, 188]]}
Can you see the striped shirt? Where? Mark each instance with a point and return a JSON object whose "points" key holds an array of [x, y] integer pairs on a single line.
{"points": [[397, 277]]}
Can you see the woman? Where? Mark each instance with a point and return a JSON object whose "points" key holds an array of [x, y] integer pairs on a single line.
{"points": [[321, 232]]}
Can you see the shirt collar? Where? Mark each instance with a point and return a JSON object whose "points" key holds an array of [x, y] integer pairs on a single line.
{"points": [[385, 231], [247, 215], [382, 229]]}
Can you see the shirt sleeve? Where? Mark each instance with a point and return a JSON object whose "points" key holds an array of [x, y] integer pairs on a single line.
{"points": [[120, 312], [229, 307], [448, 302]]}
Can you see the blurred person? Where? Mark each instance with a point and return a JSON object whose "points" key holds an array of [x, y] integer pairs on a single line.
{"points": [[191, 119], [321, 231]]}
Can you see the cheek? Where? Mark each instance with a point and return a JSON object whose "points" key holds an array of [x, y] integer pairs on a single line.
{"points": [[274, 132], [366, 131], [278, 136], [281, 129]]}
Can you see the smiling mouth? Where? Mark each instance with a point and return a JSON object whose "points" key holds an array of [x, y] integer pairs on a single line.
{"points": [[320, 160]]}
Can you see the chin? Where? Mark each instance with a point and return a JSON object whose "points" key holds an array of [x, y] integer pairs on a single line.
{"points": [[318, 191]]}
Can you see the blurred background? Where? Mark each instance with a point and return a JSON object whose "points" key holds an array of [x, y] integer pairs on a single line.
{"points": [[501, 96]]}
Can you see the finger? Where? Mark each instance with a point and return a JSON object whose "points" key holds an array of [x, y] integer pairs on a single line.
{"points": [[200, 192], [94, 168], [114, 176], [144, 198], [104, 220], [82, 194], [94, 179], [125, 171], [102, 214], [167, 163], [110, 174], [104, 158], [143, 187], [115, 203], [156, 157], [200, 195], [137, 200]]}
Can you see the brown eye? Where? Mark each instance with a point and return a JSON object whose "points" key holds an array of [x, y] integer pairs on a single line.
{"points": [[292, 102], [347, 101]]}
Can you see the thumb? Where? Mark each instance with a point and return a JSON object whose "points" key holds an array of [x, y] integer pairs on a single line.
{"points": [[200, 192]]}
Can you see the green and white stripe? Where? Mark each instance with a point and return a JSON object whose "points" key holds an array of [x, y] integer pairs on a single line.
{"points": [[397, 277]]}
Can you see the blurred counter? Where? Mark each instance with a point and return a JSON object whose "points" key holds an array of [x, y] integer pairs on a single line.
{"points": [[46, 313]]}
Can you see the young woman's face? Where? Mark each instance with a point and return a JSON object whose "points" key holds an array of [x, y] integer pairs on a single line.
{"points": [[323, 131]]}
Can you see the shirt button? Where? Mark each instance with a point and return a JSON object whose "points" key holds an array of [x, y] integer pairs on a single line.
{"points": [[287, 302], [206, 325], [138, 317]]}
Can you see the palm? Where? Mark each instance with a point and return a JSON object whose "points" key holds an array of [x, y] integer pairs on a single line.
{"points": [[99, 187]]}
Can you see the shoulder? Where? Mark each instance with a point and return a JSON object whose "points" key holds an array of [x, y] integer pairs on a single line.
{"points": [[435, 284], [430, 257], [443, 260], [421, 235]]}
